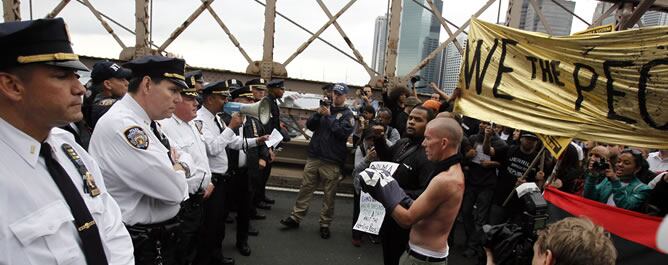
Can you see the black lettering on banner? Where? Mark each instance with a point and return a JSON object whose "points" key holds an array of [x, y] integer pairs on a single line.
{"points": [[555, 72], [545, 70], [612, 93], [579, 86], [642, 93], [468, 69], [502, 69], [533, 66]]}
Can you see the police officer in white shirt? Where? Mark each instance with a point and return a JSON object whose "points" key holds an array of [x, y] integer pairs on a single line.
{"points": [[140, 169], [218, 136], [185, 136], [55, 207]]}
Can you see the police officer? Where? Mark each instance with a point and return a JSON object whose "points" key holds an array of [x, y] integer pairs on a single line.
{"points": [[217, 136], [275, 90], [142, 173], [195, 79], [109, 83], [258, 87], [186, 138], [55, 207], [244, 170]]}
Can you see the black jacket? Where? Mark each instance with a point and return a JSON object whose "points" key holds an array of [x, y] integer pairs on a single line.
{"points": [[330, 135], [415, 170], [252, 128]]}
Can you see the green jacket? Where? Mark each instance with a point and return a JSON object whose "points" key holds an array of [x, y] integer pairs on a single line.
{"points": [[630, 197]]}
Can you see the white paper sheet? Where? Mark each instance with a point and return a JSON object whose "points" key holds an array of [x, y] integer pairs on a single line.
{"points": [[371, 216], [275, 138]]}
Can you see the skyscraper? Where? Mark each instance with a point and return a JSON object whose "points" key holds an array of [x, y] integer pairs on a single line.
{"points": [[650, 18], [523, 16], [379, 44], [419, 36], [655, 18], [451, 65], [601, 7]]}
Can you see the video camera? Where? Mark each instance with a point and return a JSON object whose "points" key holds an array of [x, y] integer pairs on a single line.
{"points": [[512, 243]]}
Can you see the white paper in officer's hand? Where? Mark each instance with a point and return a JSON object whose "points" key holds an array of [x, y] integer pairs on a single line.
{"points": [[275, 138]]}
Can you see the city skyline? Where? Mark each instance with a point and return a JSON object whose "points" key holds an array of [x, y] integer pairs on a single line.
{"points": [[204, 44]]}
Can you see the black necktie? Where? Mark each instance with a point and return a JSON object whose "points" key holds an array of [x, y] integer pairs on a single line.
{"points": [[88, 232], [215, 120], [162, 138]]}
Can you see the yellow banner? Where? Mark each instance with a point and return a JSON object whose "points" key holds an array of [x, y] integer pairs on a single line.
{"points": [[609, 87], [555, 144]]}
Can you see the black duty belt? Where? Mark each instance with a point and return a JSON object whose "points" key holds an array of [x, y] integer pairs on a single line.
{"points": [[237, 171], [155, 230], [423, 257]]}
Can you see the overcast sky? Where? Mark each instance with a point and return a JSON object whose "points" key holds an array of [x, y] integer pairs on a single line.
{"points": [[205, 44]]}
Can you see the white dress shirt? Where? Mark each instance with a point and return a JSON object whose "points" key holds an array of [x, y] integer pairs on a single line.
{"points": [[143, 181], [187, 140], [217, 141], [36, 224], [656, 163]]}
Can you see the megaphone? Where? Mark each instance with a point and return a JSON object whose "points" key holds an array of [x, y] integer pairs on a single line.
{"points": [[260, 110]]}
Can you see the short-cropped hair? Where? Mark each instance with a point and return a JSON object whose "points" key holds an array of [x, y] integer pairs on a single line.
{"points": [[577, 241]]}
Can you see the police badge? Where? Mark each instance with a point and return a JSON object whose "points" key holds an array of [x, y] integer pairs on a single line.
{"points": [[338, 115], [199, 125], [136, 137]]}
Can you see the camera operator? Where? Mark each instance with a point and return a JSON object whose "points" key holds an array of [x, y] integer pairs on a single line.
{"points": [[331, 126], [366, 99], [572, 241], [619, 187]]}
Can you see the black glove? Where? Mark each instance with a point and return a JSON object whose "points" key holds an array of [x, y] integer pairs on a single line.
{"points": [[383, 188]]}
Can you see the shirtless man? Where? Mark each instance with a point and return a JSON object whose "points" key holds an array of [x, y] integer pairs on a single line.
{"points": [[430, 216]]}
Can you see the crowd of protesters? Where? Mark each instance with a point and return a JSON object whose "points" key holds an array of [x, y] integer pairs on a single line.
{"points": [[497, 159], [148, 119]]}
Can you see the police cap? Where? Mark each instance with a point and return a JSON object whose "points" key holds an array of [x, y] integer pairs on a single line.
{"points": [[276, 83], [104, 70], [43, 41], [218, 88], [242, 92], [194, 77], [232, 84], [159, 67], [257, 83]]}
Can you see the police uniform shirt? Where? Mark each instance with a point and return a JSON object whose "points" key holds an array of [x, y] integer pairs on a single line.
{"points": [[186, 138], [216, 141], [138, 172], [37, 226]]}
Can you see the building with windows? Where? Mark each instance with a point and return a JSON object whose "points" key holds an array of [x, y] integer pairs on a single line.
{"points": [[379, 44], [523, 16]]}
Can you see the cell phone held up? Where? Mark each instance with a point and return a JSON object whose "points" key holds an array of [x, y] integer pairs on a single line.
{"points": [[600, 165], [325, 103]]}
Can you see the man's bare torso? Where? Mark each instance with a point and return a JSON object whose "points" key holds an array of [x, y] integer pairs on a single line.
{"points": [[432, 232]]}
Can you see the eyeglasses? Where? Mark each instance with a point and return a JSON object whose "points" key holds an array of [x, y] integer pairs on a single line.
{"points": [[632, 151]]}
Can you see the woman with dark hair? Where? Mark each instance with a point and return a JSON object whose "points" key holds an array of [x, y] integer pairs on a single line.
{"points": [[568, 175], [619, 187], [364, 155]]}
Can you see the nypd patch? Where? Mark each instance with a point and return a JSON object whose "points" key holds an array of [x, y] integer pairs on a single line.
{"points": [[136, 137]]}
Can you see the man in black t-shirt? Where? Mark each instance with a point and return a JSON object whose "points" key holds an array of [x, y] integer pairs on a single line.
{"points": [[515, 160]]}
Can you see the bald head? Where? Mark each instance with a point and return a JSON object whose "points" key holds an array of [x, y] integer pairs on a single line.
{"points": [[442, 138], [447, 128]]}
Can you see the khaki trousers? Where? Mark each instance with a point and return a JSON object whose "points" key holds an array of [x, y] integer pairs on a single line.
{"points": [[317, 171]]}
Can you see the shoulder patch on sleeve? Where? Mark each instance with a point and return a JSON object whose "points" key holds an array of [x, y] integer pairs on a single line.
{"points": [[136, 137], [106, 102]]}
